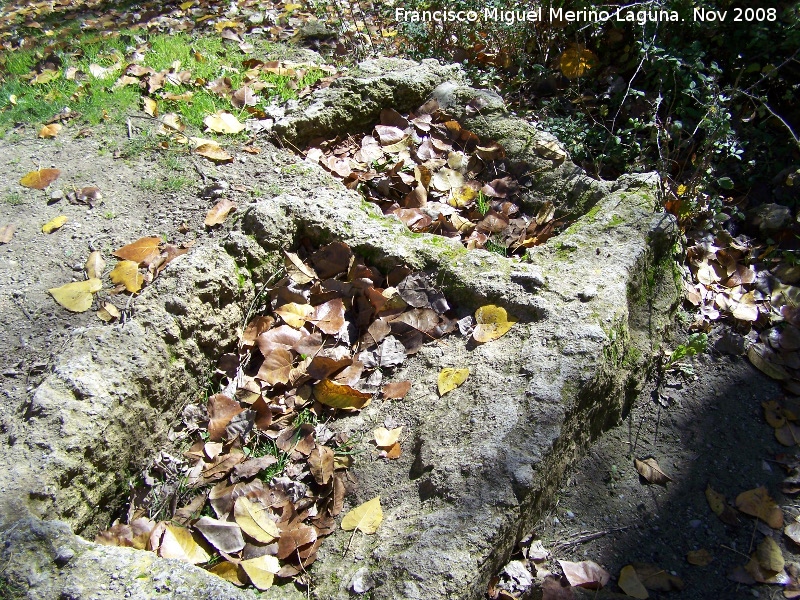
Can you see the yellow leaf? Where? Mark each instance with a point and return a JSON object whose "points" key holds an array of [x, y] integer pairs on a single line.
{"points": [[94, 265], [108, 312], [682, 189], [143, 251], [213, 151], [759, 503], [227, 571], [261, 570], [769, 555], [150, 106], [13, 99], [54, 224], [187, 4], [366, 518], [339, 395], [385, 438], [450, 379], [699, 558], [251, 517], [576, 62], [295, 315], [127, 273], [493, 322], [39, 180], [219, 212], [179, 543], [223, 122], [630, 583], [172, 122], [76, 296], [225, 25], [50, 131]]}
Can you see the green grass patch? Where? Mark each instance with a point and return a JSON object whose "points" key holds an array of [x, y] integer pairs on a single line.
{"points": [[24, 98]]}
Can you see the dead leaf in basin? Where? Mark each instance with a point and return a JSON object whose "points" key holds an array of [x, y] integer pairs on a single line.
{"points": [[221, 409], [39, 180], [76, 296]]}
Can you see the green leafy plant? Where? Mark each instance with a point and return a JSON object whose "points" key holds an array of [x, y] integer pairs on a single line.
{"points": [[695, 344]]}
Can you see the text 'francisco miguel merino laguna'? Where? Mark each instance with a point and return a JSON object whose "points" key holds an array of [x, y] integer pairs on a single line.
{"points": [[533, 15]]}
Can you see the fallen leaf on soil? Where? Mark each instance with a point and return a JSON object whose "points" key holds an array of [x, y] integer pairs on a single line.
{"points": [[6, 233], [39, 180], [219, 212], [297, 270], [396, 390], [171, 122], [94, 265], [756, 353], [385, 438], [788, 435], [630, 584], [758, 503], [261, 570], [135, 535], [762, 575], [223, 122], [450, 378], [50, 131], [769, 555], [720, 507], [586, 574], [493, 322], [552, 589], [699, 558], [251, 517], [127, 273], [223, 535], [213, 151], [294, 314], [143, 251], [576, 62], [76, 296], [366, 517], [54, 224], [179, 543], [150, 106], [657, 579], [650, 470], [293, 539], [391, 452], [321, 463], [339, 395], [108, 312]]}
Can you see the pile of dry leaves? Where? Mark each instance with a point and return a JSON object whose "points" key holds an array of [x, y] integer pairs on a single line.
{"points": [[438, 177], [266, 472]]}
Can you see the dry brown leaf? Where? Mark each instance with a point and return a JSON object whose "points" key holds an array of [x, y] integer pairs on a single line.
{"points": [[143, 251], [657, 579], [221, 409], [294, 538], [39, 180], [213, 151], [720, 507], [321, 463], [219, 212], [758, 503], [651, 472], [223, 535], [396, 390], [294, 314], [277, 367], [792, 531], [586, 574], [329, 316], [108, 312], [127, 273], [297, 270], [94, 265]]}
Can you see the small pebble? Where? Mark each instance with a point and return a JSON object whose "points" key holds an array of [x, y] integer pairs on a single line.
{"points": [[695, 523], [64, 555]]}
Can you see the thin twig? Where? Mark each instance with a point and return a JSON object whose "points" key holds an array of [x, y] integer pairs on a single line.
{"points": [[587, 536]]}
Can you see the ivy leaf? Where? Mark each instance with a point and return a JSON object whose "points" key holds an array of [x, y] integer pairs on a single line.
{"points": [[366, 517]]}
